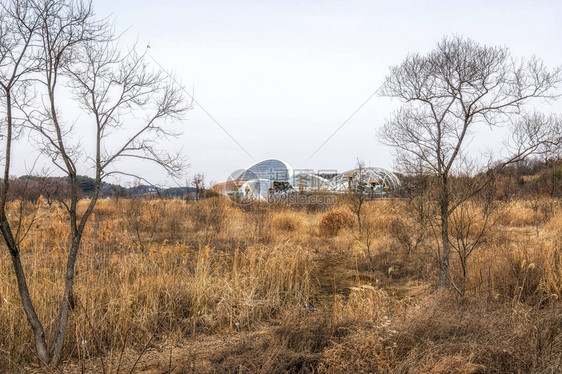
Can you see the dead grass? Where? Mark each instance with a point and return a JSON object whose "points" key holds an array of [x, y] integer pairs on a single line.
{"points": [[290, 290], [199, 288], [289, 221]]}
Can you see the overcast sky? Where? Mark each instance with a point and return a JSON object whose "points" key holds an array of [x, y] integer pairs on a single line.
{"points": [[281, 76]]}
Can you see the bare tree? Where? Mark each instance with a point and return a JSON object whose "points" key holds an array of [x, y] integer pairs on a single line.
{"points": [[447, 95], [367, 238], [18, 27], [143, 218], [358, 193], [57, 44], [471, 224], [199, 183]]}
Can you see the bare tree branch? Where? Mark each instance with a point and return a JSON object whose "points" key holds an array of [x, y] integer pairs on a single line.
{"points": [[447, 95]]}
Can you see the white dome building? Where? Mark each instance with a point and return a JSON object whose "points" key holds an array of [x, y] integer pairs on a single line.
{"points": [[260, 180]]}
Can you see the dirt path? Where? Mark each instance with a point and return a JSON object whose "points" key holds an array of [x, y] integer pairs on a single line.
{"points": [[338, 271], [334, 276]]}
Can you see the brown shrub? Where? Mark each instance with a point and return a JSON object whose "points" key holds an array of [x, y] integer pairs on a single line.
{"points": [[336, 219]]}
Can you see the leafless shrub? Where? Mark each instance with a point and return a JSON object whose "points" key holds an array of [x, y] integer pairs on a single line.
{"points": [[143, 219], [335, 220]]}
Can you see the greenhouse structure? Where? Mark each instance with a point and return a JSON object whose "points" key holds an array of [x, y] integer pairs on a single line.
{"points": [[273, 176]]}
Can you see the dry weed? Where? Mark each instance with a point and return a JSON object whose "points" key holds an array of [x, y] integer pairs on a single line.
{"points": [[335, 220]]}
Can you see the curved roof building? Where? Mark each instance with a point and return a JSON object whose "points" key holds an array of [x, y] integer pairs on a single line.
{"points": [[308, 180], [272, 169], [381, 179], [277, 176]]}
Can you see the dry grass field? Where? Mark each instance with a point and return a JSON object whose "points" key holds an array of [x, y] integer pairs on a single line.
{"points": [[207, 286]]}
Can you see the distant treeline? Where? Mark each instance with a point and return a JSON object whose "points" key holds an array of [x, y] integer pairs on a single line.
{"points": [[29, 187], [533, 176], [529, 177]]}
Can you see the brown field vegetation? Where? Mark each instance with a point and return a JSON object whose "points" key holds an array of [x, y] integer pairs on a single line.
{"points": [[207, 286]]}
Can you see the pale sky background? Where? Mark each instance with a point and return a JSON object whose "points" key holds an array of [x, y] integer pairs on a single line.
{"points": [[281, 76]]}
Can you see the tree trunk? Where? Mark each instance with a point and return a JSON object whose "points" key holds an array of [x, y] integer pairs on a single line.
{"points": [[64, 309], [32, 318], [444, 261], [446, 246]]}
